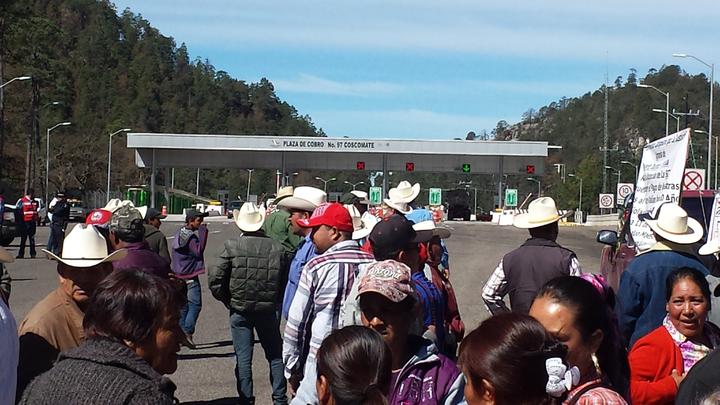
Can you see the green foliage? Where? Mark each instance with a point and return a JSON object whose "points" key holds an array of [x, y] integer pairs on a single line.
{"points": [[111, 72]]}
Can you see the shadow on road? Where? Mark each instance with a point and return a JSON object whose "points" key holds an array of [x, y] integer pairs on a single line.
{"points": [[204, 356], [213, 345], [220, 401]]}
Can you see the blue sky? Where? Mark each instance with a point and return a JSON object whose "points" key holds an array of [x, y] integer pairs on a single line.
{"points": [[434, 69]]}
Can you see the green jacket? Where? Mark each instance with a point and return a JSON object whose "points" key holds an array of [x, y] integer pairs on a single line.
{"points": [[247, 276], [277, 227]]}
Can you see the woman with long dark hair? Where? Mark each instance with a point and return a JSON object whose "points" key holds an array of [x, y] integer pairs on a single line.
{"points": [[510, 359], [578, 313], [353, 367]]}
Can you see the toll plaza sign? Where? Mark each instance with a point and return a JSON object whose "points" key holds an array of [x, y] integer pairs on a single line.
{"points": [[327, 144], [659, 181]]}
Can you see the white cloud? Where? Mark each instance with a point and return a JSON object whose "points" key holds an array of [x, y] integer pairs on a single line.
{"points": [[306, 83]]}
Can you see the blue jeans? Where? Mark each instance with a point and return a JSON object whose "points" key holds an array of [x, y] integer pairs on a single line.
{"points": [[268, 330], [191, 311]]}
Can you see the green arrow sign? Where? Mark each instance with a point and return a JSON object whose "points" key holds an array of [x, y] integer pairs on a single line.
{"points": [[511, 197], [466, 167], [375, 195], [435, 196]]}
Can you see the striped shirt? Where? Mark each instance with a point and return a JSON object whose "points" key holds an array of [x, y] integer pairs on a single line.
{"points": [[324, 285], [596, 396]]}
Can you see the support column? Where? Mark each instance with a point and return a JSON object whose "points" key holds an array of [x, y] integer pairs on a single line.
{"points": [[283, 170], [501, 172], [385, 175], [152, 180]]}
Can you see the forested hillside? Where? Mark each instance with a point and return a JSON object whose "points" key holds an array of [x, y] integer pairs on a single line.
{"points": [[107, 72]]}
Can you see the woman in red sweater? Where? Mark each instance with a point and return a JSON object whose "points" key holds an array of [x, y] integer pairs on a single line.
{"points": [[660, 360]]}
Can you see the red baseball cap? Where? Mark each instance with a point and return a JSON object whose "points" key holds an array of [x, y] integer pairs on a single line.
{"points": [[99, 217], [330, 214]]}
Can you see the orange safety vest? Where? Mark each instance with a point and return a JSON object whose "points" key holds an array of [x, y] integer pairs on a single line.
{"points": [[29, 209]]}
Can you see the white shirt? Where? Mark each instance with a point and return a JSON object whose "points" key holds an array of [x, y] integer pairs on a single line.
{"points": [[9, 351]]}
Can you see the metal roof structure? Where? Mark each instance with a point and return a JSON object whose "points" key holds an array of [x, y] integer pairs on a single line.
{"points": [[290, 153]]}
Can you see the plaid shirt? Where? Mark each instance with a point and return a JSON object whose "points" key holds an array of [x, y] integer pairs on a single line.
{"points": [[595, 396], [315, 310], [497, 287]]}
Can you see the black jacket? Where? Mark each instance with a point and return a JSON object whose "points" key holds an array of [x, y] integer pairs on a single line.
{"points": [[60, 213], [100, 371], [248, 272]]}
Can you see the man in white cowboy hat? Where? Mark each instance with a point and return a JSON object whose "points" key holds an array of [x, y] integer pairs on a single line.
{"points": [[55, 324], [400, 197], [247, 280], [522, 272], [301, 205], [277, 224], [641, 295]]}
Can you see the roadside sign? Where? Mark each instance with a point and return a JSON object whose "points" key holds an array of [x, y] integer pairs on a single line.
{"points": [[623, 191], [607, 201], [435, 196], [375, 195], [511, 197], [693, 179]]}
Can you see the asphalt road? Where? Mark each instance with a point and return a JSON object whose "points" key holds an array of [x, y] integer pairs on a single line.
{"points": [[206, 375]]}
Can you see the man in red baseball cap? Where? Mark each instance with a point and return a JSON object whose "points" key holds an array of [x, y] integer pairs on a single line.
{"points": [[324, 285]]}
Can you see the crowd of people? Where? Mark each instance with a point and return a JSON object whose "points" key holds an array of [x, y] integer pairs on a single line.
{"points": [[354, 308]]}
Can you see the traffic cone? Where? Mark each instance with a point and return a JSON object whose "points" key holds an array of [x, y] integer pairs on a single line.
{"points": [[164, 210]]}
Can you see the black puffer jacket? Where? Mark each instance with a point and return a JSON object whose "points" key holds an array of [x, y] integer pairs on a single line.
{"points": [[100, 371], [248, 272]]}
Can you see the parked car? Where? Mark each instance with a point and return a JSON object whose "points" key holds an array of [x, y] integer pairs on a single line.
{"points": [[619, 249], [233, 205], [78, 210], [8, 229]]}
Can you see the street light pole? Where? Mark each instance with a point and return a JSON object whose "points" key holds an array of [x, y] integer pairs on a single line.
{"points": [[677, 118], [581, 190], [667, 105], [47, 160], [247, 197], [110, 157], [710, 117], [625, 162], [20, 78], [353, 185], [325, 182]]}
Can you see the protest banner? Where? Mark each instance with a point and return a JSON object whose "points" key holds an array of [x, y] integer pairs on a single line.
{"points": [[714, 231], [659, 181]]}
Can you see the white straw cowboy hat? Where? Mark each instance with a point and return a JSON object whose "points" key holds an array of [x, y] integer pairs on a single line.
{"points": [[304, 198], [249, 218], [283, 193], [399, 206], [363, 196], [354, 215], [671, 222], [115, 203], [367, 223], [86, 247], [711, 247], [541, 212], [5, 256], [430, 227], [404, 192]]}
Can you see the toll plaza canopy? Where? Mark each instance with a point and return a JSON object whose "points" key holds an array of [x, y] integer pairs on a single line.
{"points": [[290, 153]]}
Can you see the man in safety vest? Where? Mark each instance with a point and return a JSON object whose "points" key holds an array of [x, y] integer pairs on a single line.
{"points": [[27, 209]]}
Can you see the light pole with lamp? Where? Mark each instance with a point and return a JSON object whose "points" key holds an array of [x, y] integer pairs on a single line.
{"points": [[353, 185], [677, 119], [288, 176], [325, 182], [19, 78], [110, 157], [581, 191], [625, 162], [710, 115], [617, 172], [247, 196], [667, 105], [538, 182], [47, 159]]}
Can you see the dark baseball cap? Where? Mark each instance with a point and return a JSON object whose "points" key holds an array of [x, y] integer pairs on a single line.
{"points": [[396, 232], [126, 218], [193, 213], [154, 213]]}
